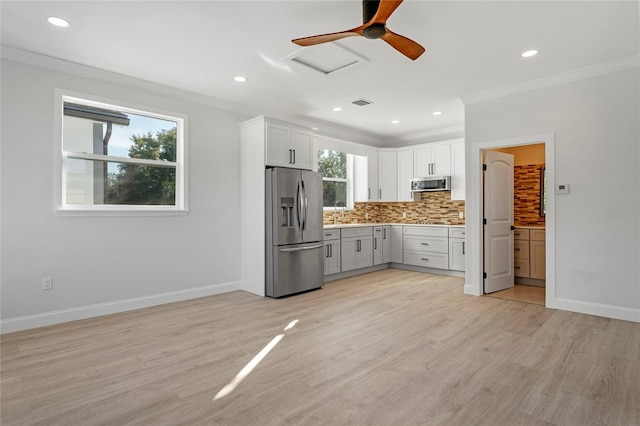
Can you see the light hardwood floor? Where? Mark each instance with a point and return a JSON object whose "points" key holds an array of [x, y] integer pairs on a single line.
{"points": [[522, 293], [387, 348]]}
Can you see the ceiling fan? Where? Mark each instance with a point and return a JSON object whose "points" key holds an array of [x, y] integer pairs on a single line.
{"points": [[374, 16]]}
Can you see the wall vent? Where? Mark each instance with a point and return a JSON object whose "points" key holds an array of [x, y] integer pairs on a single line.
{"points": [[362, 102]]}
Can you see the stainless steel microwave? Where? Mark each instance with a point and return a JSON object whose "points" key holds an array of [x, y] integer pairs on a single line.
{"points": [[431, 183]]}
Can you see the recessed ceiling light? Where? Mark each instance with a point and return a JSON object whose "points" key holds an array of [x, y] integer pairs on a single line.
{"points": [[240, 78], [529, 53], [437, 113], [58, 22], [395, 121], [336, 109]]}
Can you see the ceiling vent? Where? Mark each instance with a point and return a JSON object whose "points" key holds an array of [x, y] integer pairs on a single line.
{"points": [[326, 58], [362, 102]]}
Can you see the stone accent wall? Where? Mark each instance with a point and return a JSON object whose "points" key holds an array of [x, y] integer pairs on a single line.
{"points": [[526, 195], [434, 207]]}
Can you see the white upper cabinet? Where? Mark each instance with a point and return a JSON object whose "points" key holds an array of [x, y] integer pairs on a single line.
{"points": [[289, 147], [387, 176], [432, 161], [457, 171], [372, 164], [405, 174]]}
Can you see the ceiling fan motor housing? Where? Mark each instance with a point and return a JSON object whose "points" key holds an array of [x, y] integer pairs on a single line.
{"points": [[374, 31]]}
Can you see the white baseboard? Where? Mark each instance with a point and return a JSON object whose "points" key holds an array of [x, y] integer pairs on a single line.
{"points": [[27, 322], [598, 309]]}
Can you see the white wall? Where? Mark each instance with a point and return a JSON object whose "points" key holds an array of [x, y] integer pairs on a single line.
{"points": [[109, 263], [597, 141]]}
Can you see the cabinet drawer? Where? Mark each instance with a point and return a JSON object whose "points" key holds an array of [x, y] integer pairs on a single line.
{"points": [[521, 250], [436, 244], [456, 233], [521, 268], [333, 234], [521, 234], [426, 231], [356, 232], [537, 235], [427, 260]]}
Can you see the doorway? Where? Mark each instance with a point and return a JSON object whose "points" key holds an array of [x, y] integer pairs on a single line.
{"points": [[518, 192], [475, 212]]}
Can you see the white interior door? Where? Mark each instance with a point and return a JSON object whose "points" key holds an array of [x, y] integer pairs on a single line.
{"points": [[498, 212]]}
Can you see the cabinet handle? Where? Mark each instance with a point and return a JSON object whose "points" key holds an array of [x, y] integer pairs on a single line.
{"points": [[328, 235], [463, 248], [380, 194], [424, 258], [369, 194], [294, 156], [290, 156], [516, 267], [375, 244], [425, 244], [517, 249], [327, 251], [384, 233]]}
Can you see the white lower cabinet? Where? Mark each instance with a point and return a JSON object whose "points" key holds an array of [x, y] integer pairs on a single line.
{"points": [[356, 248], [457, 249], [396, 244], [332, 252], [426, 247], [386, 244]]}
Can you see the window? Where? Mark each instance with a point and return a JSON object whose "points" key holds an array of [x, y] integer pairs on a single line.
{"points": [[337, 183], [115, 158]]}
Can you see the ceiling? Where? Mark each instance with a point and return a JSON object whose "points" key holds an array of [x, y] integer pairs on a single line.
{"points": [[471, 47]]}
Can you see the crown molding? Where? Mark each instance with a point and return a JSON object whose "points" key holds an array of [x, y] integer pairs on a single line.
{"points": [[454, 132], [555, 80], [104, 76]]}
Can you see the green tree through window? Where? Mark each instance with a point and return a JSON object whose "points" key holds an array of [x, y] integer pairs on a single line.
{"points": [[333, 166]]}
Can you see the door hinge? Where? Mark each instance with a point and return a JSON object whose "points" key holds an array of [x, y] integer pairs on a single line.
{"points": [[484, 167], [484, 221], [484, 275]]}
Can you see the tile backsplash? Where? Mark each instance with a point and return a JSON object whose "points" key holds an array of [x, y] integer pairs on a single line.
{"points": [[434, 207], [526, 195]]}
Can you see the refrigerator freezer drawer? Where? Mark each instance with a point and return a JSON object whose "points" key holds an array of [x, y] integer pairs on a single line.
{"points": [[295, 268]]}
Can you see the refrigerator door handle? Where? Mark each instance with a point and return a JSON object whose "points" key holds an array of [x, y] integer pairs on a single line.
{"points": [[287, 250], [299, 205], [305, 207]]}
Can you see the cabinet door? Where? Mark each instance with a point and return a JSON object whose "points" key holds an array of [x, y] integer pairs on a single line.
{"points": [[537, 266], [278, 146], [388, 176], [377, 249], [457, 171], [302, 146], [331, 257], [372, 166], [396, 244], [456, 254], [405, 174], [364, 257], [422, 162], [441, 159], [348, 253], [386, 244]]}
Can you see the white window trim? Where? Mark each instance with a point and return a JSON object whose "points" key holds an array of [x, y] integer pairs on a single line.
{"points": [[61, 208]]}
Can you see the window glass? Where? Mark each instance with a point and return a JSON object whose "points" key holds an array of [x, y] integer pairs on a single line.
{"points": [[336, 184], [119, 156]]}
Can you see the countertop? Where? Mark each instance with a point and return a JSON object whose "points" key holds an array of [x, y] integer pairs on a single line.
{"points": [[530, 227], [360, 225]]}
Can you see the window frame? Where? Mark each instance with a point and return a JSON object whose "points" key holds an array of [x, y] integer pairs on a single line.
{"points": [[61, 158]]}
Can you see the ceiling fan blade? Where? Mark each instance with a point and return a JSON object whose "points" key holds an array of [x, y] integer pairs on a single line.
{"points": [[324, 38], [385, 9], [406, 46]]}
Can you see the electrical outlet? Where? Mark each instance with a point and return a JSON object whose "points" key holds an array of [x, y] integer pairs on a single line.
{"points": [[366, 216], [404, 215], [47, 283], [460, 215]]}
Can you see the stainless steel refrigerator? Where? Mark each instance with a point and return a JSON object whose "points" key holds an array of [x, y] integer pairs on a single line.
{"points": [[295, 261]]}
